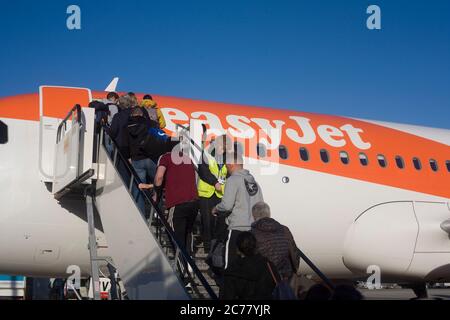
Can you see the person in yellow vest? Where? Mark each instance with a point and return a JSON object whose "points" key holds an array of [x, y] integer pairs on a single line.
{"points": [[211, 185]]}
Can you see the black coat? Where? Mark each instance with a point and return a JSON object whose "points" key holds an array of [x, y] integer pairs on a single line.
{"points": [[137, 132], [249, 278], [119, 129], [142, 144]]}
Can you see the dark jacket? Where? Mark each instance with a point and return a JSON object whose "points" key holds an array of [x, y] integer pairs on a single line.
{"points": [[119, 129], [249, 278], [275, 242], [142, 144], [137, 132]]}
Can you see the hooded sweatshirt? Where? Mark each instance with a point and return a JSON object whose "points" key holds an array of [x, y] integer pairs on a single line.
{"points": [[275, 242], [242, 192], [137, 130]]}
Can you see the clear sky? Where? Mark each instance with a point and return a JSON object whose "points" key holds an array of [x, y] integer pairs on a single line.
{"points": [[308, 55]]}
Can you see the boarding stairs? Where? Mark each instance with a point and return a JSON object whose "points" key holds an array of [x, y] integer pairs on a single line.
{"points": [[142, 247], [144, 258]]}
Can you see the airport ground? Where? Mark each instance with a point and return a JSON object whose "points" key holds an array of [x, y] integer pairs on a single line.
{"points": [[404, 294]]}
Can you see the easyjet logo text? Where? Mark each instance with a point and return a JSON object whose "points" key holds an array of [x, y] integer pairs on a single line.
{"points": [[269, 132]]}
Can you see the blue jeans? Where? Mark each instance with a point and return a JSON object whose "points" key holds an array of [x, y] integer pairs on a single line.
{"points": [[144, 168], [109, 145]]}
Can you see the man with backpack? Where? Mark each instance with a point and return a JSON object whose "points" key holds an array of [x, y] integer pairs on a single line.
{"points": [[145, 148], [153, 110], [138, 130]]}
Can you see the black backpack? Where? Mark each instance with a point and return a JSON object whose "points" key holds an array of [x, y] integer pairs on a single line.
{"points": [[101, 111], [216, 257]]}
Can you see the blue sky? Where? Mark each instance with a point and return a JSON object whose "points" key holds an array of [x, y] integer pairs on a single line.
{"points": [[311, 55]]}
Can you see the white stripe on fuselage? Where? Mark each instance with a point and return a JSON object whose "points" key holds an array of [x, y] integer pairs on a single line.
{"points": [[435, 134]]}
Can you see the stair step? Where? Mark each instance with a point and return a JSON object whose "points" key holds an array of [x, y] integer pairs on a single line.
{"points": [[198, 291]]}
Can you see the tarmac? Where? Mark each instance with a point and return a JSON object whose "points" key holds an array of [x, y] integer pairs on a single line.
{"points": [[404, 294]]}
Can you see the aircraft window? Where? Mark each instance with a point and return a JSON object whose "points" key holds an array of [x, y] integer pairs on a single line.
{"points": [[261, 149], [304, 154], [282, 150], [324, 156], [448, 165], [382, 161], [433, 165], [400, 162], [417, 164], [363, 159], [344, 157]]}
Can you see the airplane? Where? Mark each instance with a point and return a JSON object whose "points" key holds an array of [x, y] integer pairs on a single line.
{"points": [[355, 193]]}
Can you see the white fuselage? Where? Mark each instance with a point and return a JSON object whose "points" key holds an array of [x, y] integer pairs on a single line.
{"points": [[40, 237]]}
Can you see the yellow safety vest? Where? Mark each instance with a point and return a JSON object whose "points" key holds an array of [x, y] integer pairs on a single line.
{"points": [[206, 190]]}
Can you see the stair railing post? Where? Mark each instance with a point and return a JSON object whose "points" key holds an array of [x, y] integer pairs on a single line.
{"points": [[93, 246]]}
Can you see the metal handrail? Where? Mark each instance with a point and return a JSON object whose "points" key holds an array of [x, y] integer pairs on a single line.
{"points": [[316, 269], [76, 108], [178, 247], [192, 142], [302, 255]]}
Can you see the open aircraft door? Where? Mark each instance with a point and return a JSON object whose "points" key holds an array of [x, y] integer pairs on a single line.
{"points": [[54, 102]]}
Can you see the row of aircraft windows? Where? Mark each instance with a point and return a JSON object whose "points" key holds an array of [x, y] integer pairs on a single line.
{"points": [[345, 158]]}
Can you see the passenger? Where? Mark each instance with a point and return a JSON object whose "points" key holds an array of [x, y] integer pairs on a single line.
{"points": [[119, 125], [134, 98], [177, 172], [318, 292], [101, 113], [119, 133], [143, 165], [248, 277], [275, 241], [346, 292], [241, 194], [154, 112], [112, 101], [212, 173]]}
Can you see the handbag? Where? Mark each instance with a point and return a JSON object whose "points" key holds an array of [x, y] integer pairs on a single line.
{"points": [[216, 257], [282, 290], [300, 284]]}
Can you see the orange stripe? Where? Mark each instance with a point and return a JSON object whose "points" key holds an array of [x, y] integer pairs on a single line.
{"points": [[386, 141], [23, 107]]}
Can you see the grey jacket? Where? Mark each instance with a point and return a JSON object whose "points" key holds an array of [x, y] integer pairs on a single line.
{"points": [[242, 192]]}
